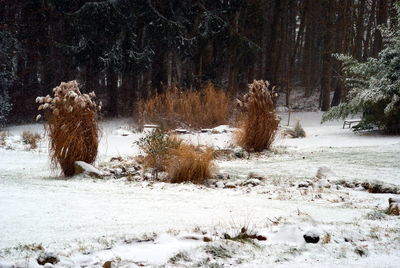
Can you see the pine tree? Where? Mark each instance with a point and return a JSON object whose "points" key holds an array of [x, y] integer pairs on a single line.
{"points": [[374, 86]]}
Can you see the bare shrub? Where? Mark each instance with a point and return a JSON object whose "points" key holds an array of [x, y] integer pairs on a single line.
{"points": [[157, 146], [258, 122], [71, 125], [183, 162], [188, 163], [176, 107], [31, 139]]}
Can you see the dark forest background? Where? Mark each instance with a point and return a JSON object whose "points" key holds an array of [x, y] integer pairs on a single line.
{"points": [[126, 49]]}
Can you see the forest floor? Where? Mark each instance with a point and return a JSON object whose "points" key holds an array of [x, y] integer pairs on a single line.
{"points": [[254, 214]]}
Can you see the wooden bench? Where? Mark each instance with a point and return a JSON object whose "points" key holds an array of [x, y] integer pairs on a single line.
{"points": [[349, 122]]}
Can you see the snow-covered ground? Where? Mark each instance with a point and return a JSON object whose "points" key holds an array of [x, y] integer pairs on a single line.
{"points": [[86, 222]]}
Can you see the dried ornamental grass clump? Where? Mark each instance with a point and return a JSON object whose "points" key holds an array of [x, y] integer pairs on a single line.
{"points": [[208, 107], [188, 163], [258, 122], [71, 125]]}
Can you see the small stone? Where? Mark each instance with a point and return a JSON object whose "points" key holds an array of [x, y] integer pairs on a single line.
{"points": [[220, 184], [44, 258], [227, 236], [147, 176], [85, 168], [239, 153], [117, 171], [252, 182], [207, 239], [230, 185], [305, 184], [311, 237], [181, 131], [261, 238]]}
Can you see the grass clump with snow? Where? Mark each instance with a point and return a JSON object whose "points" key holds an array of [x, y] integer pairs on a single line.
{"points": [[259, 122], [71, 125]]}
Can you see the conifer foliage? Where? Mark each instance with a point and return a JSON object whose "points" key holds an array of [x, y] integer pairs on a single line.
{"points": [[374, 86]]}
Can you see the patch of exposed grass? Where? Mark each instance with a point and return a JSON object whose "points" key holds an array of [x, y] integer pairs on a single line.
{"points": [[181, 256], [218, 251]]}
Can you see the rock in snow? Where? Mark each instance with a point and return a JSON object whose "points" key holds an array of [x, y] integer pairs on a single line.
{"points": [[252, 182], [219, 184], [305, 184], [311, 237], [44, 258], [85, 168], [230, 185]]}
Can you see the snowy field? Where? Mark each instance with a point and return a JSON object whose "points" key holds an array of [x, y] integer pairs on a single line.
{"points": [[86, 222]]}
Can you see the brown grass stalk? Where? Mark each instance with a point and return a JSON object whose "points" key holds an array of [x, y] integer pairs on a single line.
{"points": [[258, 122], [175, 107], [190, 164]]}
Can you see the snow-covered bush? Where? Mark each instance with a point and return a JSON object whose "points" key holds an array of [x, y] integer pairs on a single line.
{"points": [[259, 122], [72, 125], [374, 87]]}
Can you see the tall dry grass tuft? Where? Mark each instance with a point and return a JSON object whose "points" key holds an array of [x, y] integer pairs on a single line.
{"points": [[175, 107], [71, 125], [258, 122], [190, 164], [31, 139]]}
